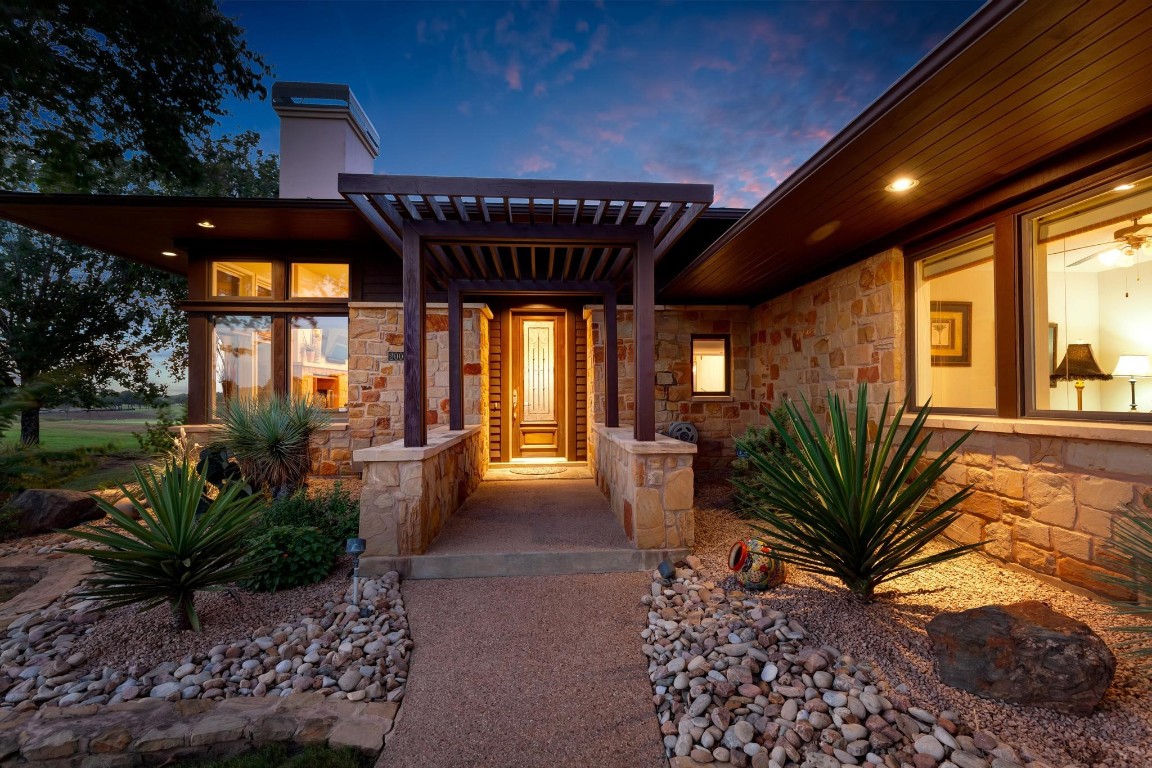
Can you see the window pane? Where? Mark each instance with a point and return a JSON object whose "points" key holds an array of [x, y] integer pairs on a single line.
{"points": [[1092, 295], [242, 278], [328, 281], [242, 360], [956, 327], [709, 366], [319, 360]]}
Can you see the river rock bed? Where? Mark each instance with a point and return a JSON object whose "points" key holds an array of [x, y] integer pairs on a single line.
{"points": [[737, 683], [358, 652]]}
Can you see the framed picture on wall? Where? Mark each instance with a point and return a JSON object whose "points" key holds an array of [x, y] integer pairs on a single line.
{"points": [[1053, 341], [950, 326]]}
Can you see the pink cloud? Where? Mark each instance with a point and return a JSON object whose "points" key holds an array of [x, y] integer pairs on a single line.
{"points": [[533, 164], [611, 137], [512, 76]]}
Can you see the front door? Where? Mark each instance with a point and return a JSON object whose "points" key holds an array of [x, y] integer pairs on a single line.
{"points": [[538, 375]]}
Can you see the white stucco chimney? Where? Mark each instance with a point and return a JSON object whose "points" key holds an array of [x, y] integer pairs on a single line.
{"points": [[323, 132]]}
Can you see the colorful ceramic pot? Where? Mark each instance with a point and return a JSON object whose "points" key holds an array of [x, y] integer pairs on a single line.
{"points": [[755, 567]]}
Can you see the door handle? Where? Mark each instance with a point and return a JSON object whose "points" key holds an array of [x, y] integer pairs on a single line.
{"points": [[515, 403]]}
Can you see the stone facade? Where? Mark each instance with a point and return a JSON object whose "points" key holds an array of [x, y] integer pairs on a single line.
{"points": [[409, 493], [648, 484], [719, 420]]}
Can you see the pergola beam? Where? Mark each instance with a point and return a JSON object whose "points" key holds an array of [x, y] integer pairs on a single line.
{"points": [[504, 233], [524, 189]]}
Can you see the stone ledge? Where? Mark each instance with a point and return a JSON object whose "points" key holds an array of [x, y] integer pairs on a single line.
{"points": [[1090, 431], [439, 440], [622, 436]]}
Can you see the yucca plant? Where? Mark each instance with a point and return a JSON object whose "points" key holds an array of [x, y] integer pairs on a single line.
{"points": [[842, 505], [170, 553], [1130, 553], [269, 436]]}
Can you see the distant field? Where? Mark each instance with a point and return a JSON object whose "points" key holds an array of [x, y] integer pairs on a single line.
{"points": [[62, 431]]}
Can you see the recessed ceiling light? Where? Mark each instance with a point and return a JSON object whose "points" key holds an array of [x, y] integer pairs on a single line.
{"points": [[206, 224], [168, 253], [902, 184], [1123, 187]]}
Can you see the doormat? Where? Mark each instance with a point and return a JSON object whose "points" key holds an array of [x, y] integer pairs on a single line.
{"points": [[538, 470]]}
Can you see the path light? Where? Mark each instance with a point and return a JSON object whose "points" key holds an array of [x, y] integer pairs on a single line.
{"points": [[667, 570], [355, 547]]}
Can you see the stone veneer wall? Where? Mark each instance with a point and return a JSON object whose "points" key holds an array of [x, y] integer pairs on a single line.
{"points": [[1046, 492], [718, 420], [409, 493], [648, 484]]}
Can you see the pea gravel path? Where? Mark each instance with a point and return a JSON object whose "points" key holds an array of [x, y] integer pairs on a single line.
{"points": [[527, 671]]}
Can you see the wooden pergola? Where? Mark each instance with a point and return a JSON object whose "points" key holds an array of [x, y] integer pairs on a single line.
{"points": [[532, 237]]}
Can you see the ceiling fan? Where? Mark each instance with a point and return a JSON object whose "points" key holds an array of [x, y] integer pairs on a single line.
{"points": [[1127, 243]]}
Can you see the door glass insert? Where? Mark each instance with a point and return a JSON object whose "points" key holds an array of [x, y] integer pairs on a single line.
{"points": [[539, 367]]}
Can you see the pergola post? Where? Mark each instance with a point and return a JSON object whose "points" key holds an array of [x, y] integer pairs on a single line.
{"points": [[455, 358], [644, 333], [611, 363], [415, 397]]}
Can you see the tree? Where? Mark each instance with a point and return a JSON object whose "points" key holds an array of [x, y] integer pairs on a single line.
{"points": [[85, 82]]}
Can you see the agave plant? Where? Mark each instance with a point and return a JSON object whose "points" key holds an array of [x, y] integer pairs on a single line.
{"points": [[842, 505], [1130, 553], [269, 436], [170, 553]]}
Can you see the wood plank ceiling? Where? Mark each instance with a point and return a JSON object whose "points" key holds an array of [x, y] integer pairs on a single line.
{"points": [[492, 215], [1016, 84]]}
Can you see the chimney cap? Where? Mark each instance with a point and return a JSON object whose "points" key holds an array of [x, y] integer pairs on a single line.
{"points": [[289, 97]]}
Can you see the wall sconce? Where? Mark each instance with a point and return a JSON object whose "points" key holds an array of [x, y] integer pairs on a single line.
{"points": [[1079, 365], [1134, 367]]}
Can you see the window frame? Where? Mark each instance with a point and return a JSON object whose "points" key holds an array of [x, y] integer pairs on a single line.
{"points": [[727, 339]]}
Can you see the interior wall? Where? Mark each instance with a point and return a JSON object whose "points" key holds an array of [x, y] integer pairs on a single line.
{"points": [[1125, 307], [1074, 305], [961, 386]]}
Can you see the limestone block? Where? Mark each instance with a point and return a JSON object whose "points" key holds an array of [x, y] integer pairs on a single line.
{"points": [[966, 529], [1090, 577], [411, 478], [1075, 545], [1096, 522], [52, 745], [163, 737], [215, 729], [1033, 533], [678, 490], [1007, 482], [382, 473], [1104, 493], [649, 511], [998, 540], [357, 734], [114, 739], [380, 533], [1034, 559], [982, 504], [1061, 513]]}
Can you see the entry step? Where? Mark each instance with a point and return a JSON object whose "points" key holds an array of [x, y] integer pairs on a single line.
{"points": [[470, 566]]}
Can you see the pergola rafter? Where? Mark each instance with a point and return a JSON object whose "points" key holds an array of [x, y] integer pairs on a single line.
{"points": [[532, 237]]}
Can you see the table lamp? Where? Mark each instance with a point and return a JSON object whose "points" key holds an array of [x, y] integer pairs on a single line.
{"points": [[1079, 365], [1134, 367]]}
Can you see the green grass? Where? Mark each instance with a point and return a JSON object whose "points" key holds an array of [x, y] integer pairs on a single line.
{"points": [[278, 756], [113, 434]]}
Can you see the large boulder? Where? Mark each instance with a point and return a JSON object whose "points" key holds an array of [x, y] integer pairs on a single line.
{"points": [[38, 510], [1023, 653]]}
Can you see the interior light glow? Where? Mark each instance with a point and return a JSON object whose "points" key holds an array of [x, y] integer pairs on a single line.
{"points": [[902, 184], [1123, 187], [169, 254], [1110, 257], [206, 224]]}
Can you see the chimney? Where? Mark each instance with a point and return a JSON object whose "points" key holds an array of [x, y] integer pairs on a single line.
{"points": [[323, 132]]}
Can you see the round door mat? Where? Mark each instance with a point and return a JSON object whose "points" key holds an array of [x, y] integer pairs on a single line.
{"points": [[538, 470]]}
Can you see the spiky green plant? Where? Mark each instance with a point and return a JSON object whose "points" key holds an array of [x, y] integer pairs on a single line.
{"points": [[170, 553], [269, 437], [841, 505], [1130, 553]]}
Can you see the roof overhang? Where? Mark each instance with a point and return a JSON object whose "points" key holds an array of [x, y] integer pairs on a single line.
{"points": [[141, 228], [1017, 85]]}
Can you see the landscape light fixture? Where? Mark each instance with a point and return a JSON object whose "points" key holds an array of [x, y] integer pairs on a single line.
{"points": [[667, 570], [1134, 367], [902, 184], [206, 224], [355, 547], [1079, 365]]}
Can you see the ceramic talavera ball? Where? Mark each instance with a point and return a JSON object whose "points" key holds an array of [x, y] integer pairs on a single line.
{"points": [[755, 566]]}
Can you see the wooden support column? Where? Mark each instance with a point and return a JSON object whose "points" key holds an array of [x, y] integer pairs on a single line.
{"points": [[455, 358], [611, 363], [415, 397], [644, 333]]}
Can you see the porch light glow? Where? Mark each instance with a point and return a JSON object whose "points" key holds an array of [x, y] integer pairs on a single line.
{"points": [[902, 184], [1123, 187], [169, 254], [206, 224]]}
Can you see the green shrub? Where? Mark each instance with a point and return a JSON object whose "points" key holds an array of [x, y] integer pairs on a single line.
{"points": [[157, 438], [290, 556], [269, 436], [754, 440], [836, 505], [171, 552], [1130, 553], [333, 512]]}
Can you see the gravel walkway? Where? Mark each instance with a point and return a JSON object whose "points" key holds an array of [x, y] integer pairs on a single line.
{"points": [[542, 671]]}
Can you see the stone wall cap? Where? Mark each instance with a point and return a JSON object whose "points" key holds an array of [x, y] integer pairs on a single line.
{"points": [[622, 436], [1093, 431], [439, 440]]}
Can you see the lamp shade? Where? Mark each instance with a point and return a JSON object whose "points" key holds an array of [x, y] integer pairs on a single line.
{"points": [[1133, 367], [1079, 364]]}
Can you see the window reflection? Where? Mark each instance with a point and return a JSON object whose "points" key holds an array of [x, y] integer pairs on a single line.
{"points": [[242, 357], [319, 360], [241, 279]]}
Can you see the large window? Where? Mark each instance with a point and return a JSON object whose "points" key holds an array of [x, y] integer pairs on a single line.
{"points": [[319, 362], [955, 326], [1091, 269], [242, 357], [710, 366]]}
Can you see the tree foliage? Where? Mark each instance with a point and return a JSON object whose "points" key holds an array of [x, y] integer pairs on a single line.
{"points": [[85, 82]]}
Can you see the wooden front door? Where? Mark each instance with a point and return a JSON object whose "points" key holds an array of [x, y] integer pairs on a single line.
{"points": [[538, 405]]}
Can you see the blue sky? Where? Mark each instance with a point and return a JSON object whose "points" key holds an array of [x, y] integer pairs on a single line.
{"points": [[735, 94]]}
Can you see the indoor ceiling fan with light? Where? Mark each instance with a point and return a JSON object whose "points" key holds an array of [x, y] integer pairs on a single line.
{"points": [[1127, 245]]}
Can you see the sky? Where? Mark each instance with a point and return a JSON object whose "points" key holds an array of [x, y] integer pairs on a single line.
{"points": [[734, 94]]}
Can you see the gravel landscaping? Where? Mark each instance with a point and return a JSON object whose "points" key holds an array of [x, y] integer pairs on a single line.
{"points": [[841, 683]]}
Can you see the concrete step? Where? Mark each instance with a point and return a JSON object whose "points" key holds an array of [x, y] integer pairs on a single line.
{"points": [[467, 566]]}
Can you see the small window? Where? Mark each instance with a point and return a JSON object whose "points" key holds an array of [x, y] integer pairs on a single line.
{"points": [[710, 366], [242, 357], [242, 279], [319, 360], [955, 327], [1091, 304], [319, 281]]}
